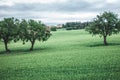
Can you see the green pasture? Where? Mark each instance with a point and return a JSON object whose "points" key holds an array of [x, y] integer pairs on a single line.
{"points": [[67, 55]]}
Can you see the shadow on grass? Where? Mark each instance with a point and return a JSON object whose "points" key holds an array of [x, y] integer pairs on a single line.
{"points": [[25, 51], [102, 45]]}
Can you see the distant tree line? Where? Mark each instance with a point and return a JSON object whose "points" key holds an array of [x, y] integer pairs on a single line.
{"points": [[75, 25], [12, 29]]}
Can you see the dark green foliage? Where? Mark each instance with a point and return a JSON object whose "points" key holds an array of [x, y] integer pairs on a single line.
{"points": [[14, 29], [9, 30], [105, 25], [69, 28], [53, 28], [32, 30], [75, 25]]}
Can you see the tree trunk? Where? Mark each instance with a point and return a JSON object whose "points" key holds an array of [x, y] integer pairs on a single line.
{"points": [[6, 47], [32, 45], [105, 41]]}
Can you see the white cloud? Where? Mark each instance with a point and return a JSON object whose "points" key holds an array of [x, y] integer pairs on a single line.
{"points": [[65, 17], [6, 3], [92, 1], [32, 1], [112, 1]]}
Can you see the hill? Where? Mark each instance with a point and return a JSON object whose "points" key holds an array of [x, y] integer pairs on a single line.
{"points": [[67, 55]]}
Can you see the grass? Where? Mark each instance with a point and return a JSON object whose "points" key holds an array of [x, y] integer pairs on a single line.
{"points": [[67, 55]]}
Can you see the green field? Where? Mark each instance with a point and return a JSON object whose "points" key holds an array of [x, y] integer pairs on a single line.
{"points": [[67, 55]]}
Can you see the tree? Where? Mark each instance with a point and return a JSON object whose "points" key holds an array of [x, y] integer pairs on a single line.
{"points": [[8, 31], [54, 28], [105, 25], [23, 32], [32, 30], [75, 25]]}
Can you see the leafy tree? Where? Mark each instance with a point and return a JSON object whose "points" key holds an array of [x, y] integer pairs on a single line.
{"points": [[105, 25], [75, 25], [32, 30], [8, 31], [23, 32], [54, 28]]}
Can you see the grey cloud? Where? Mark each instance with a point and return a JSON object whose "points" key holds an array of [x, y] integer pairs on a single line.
{"points": [[71, 6], [24, 10]]}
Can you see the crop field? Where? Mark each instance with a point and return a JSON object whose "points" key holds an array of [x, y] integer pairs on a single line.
{"points": [[67, 55]]}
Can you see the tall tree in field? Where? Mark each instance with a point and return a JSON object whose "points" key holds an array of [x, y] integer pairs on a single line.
{"points": [[8, 30], [105, 25], [32, 30]]}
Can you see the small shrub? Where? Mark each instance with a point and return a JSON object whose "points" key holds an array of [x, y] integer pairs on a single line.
{"points": [[69, 28], [53, 29]]}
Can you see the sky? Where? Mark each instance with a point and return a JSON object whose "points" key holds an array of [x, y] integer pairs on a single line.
{"points": [[53, 12]]}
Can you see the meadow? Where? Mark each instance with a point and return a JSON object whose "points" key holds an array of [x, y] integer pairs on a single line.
{"points": [[67, 55]]}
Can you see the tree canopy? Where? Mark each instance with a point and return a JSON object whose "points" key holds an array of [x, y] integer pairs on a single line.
{"points": [[105, 25], [25, 30], [8, 30], [32, 30]]}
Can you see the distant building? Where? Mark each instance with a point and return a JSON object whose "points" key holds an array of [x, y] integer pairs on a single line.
{"points": [[59, 25]]}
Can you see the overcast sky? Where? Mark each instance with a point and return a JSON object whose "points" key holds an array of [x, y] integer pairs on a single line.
{"points": [[53, 12]]}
